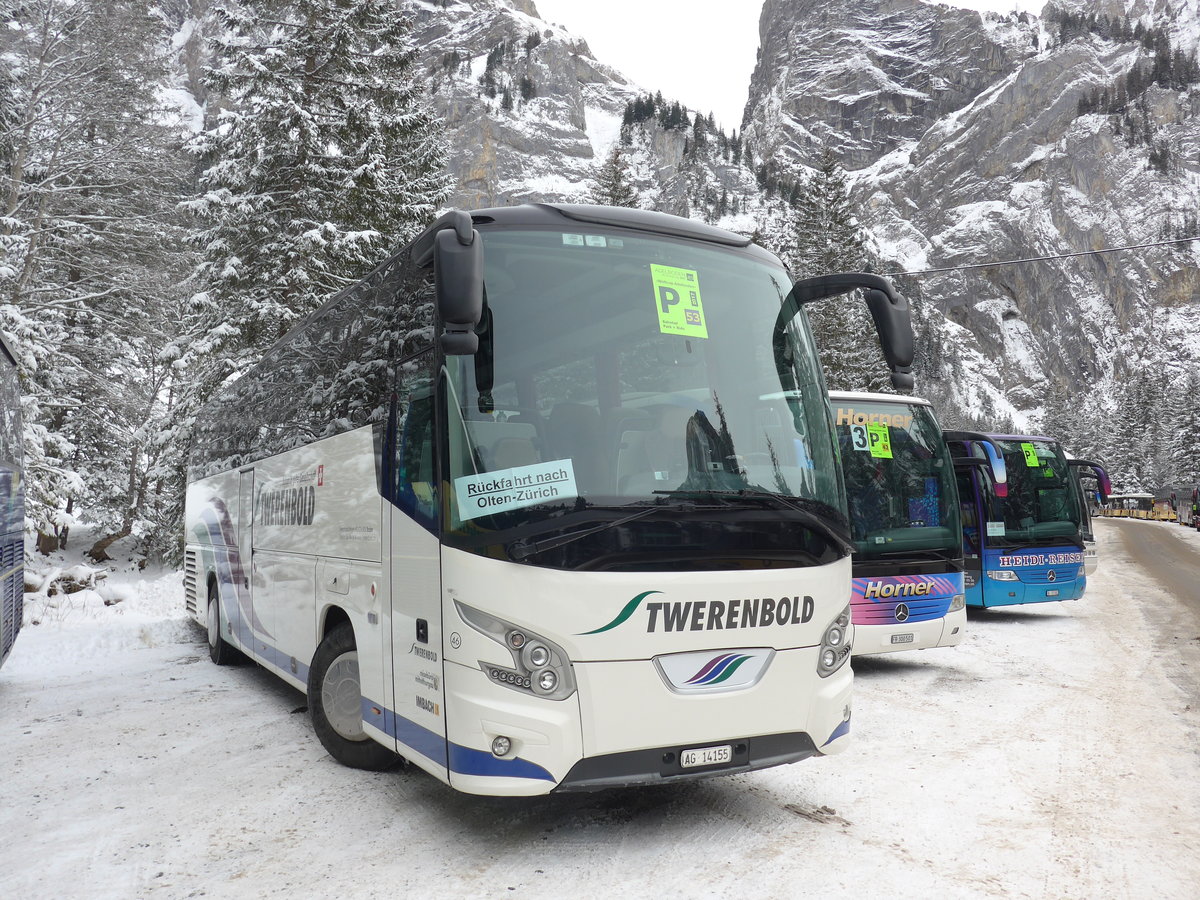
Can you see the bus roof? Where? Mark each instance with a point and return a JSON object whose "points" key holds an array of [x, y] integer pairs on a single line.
{"points": [[879, 398], [639, 219], [563, 215], [1020, 437]]}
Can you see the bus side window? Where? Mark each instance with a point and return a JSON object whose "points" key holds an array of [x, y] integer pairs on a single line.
{"points": [[416, 484]]}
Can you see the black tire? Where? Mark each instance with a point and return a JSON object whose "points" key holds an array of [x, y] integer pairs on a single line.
{"points": [[335, 702], [219, 650]]}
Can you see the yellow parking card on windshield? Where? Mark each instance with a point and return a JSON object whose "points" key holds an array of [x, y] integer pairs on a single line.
{"points": [[677, 296], [879, 440]]}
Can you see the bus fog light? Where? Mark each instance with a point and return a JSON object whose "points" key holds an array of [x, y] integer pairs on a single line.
{"points": [[834, 639], [547, 680], [501, 746], [958, 602], [828, 658]]}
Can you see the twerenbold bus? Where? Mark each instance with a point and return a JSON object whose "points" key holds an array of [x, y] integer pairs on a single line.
{"points": [[12, 504], [904, 520], [549, 501], [1027, 546]]}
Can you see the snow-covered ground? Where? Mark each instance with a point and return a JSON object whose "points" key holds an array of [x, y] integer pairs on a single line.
{"points": [[1052, 754]]}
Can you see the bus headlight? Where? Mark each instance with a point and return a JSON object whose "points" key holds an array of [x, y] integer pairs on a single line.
{"points": [[540, 667], [835, 645], [958, 602], [1002, 575], [536, 656]]}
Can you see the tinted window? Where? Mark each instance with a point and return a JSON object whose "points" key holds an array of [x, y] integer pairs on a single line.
{"points": [[333, 373]]}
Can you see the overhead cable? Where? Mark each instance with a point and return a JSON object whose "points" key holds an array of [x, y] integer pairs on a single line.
{"points": [[1030, 259]]}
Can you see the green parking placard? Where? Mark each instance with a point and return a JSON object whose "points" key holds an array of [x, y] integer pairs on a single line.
{"points": [[1031, 457], [677, 298], [880, 440]]}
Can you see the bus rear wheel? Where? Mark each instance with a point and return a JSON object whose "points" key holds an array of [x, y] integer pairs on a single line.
{"points": [[220, 651], [335, 701]]}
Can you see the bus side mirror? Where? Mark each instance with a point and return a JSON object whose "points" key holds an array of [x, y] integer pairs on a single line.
{"points": [[889, 310], [993, 461], [894, 324], [1102, 479], [458, 275]]}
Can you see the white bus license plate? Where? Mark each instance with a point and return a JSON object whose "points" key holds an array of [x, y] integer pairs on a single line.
{"points": [[706, 756], [1051, 593], [902, 638]]}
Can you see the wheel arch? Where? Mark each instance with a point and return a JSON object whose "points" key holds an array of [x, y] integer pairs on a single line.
{"points": [[332, 617]]}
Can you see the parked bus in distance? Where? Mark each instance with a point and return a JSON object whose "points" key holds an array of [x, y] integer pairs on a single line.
{"points": [[1164, 507], [1026, 546], [549, 501], [12, 504], [1131, 505], [1190, 514], [904, 520]]}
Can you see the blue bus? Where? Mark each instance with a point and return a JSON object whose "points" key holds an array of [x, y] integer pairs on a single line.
{"points": [[1023, 543], [12, 504]]}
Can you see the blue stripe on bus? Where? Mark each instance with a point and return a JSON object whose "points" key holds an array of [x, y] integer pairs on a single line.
{"points": [[467, 761], [842, 729], [430, 744]]}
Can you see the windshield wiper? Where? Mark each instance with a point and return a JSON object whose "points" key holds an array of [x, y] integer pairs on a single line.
{"points": [[523, 549], [934, 553], [818, 518]]}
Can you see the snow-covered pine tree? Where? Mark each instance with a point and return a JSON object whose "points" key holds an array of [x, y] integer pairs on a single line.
{"points": [[324, 156], [613, 186], [89, 181], [830, 239], [1185, 440]]}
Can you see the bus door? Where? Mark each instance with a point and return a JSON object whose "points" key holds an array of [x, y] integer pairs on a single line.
{"points": [[243, 570], [968, 497], [418, 713]]}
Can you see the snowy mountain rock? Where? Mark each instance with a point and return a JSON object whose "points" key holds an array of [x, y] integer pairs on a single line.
{"points": [[968, 141], [531, 113]]}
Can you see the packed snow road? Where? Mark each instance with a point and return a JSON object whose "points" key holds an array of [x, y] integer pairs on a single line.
{"points": [[1052, 754]]}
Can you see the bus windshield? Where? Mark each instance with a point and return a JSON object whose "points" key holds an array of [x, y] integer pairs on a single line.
{"points": [[899, 478], [624, 369], [1041, 503]]}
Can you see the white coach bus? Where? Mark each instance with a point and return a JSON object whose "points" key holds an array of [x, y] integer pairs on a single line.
{"points": [[551, 500]]}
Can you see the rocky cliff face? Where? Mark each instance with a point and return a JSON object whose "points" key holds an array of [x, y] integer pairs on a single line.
{"points": [[967, 143], [864, 77], [528, 108], [531, 116]]}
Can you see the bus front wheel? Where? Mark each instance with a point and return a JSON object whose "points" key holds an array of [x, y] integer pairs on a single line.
{"points": [[220, 651], [335, 701]]}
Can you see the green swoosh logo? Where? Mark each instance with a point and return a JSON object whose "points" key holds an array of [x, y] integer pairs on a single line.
{"points": [[624, 614]]}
